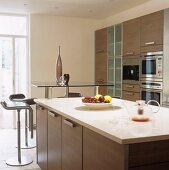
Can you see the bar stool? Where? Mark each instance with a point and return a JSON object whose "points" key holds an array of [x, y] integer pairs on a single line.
{"points": [[18, 106], [29, 101]]}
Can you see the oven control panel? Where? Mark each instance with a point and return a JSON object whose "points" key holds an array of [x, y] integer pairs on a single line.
{"points": [[151, 85]]}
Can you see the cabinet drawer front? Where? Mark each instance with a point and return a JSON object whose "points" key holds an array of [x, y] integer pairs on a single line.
{"points": [[132, 96], [131, 87]]}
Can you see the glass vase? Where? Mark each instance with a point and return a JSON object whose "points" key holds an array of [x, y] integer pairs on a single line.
{"points": [[58, 67]]}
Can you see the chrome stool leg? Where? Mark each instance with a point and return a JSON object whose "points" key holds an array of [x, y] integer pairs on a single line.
{"points": [[28, 145], [19, 160]]}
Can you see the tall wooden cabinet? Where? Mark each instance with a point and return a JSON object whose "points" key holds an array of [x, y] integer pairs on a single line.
{"points": [[41, 125], [101, 58], [131, 38], [151, 31]]}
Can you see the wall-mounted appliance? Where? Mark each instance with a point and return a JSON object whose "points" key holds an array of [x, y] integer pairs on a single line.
{"points": [[151, 90], [151, 66], [131, 70]]}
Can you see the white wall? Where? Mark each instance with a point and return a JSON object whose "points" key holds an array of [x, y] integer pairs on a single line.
{"points": [[76, 37]]}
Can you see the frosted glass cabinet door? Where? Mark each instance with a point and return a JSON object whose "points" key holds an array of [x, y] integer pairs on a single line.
{"points": [[114, 59], [111, 35], [118, 49], [118, 33], [111, 41]]}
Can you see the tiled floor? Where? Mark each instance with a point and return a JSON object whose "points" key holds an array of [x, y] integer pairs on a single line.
{"points": [[8, 141]]}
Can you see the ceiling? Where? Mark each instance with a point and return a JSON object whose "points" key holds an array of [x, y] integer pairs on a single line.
{"points": [[94, 9]]}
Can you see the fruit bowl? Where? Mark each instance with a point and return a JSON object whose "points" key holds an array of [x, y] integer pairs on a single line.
{"points": [[97, 102], [97, 105]]}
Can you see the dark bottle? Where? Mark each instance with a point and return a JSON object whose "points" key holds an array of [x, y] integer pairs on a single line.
{"points": [[58, 67], [66, 77]]}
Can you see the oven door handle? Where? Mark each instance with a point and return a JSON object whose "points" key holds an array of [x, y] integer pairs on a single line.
{"points": [[149, 57], [151, 90]]}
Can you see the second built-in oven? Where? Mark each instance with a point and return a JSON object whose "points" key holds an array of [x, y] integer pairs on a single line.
{"points": [[151, 91], [151, 66]]}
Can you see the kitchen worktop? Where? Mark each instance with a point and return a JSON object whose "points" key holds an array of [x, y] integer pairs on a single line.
{"points": [[113, 122]]}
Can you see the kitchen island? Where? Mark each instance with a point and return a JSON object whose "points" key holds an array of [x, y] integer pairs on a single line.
{"points": [[70, 136]]}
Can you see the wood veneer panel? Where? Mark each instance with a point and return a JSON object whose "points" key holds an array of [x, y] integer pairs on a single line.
{"points": [[54, 142], [71, 146], [148, 153], [100, 153]]}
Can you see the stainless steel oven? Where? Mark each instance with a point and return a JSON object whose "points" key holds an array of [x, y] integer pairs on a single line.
{"points": [[151, 91], [151, 66], [131, 70]]}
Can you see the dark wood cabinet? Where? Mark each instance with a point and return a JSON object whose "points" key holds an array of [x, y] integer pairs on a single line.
{"points": [[149, 155], [131, 38], [41, 125], [54, 141], [151, 31], [71, 145], [101, 58], [100, 153]]}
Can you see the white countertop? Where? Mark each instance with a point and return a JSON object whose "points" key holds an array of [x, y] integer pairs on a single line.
{"points": [[114, 122]]}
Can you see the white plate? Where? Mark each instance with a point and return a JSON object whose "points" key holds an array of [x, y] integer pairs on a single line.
{"points": [[97, 105]]}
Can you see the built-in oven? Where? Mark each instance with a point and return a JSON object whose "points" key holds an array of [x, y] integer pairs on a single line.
{"points": [[131, 70], [151, 66], [151, 91]]}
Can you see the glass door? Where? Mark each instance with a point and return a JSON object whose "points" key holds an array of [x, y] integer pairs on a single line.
{"points": [[14, 65], [6, 79]]}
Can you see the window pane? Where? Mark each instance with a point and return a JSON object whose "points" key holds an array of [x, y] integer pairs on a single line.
{"points": [[20, 66], [13, 25], [6, 68]]}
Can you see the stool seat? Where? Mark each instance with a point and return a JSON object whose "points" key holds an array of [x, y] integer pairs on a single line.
{"points": [[15, 106], [22, 98]]}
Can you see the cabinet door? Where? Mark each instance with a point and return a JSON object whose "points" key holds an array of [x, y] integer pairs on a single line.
{"points": [[101, 41], [131, 37], [41, 123], [152, 29], [54, 141], [71, 145], [100, 153], [101, 58]]}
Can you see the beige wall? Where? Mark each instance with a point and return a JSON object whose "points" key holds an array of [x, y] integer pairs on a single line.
{"points": [[76, 37]]}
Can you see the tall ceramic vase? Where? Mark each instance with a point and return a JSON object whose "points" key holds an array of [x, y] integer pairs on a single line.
{"points": [[58, 67]]}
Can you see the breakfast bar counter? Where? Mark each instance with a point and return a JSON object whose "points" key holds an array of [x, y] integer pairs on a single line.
{"points": [[100, 139]]}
